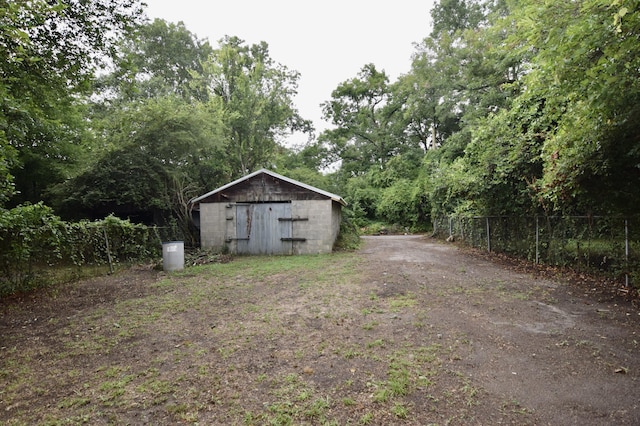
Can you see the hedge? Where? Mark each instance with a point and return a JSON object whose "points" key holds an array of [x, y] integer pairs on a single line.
{"points": [[33, 241]]}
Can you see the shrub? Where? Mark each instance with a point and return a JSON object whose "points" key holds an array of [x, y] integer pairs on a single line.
{"points": [[33, 240]]}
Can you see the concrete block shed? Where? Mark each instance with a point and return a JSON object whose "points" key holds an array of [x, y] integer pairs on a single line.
{"points": [[267, 213]]}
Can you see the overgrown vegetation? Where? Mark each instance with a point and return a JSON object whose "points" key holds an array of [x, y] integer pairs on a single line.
{"points": [[509, 108], [36, 246]]}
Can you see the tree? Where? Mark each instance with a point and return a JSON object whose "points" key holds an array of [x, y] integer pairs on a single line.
{"points": [[503, 161], [451, 17], [254, 96], [429, 114], [159, 59], [587, 54], [50, 52], [468, 74], [166, 152], [364, 112], [555, 131]]}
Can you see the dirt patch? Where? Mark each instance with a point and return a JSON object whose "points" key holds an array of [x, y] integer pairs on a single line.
{"points": [[406, 331], [552, 347]]}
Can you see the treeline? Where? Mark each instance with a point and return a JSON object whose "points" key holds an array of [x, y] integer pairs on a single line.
{"points": [[515, 108], [510, 107], [105, 112]]}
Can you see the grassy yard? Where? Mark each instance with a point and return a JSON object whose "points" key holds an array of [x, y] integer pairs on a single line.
{"points": [[282, 340], [404, 331]]}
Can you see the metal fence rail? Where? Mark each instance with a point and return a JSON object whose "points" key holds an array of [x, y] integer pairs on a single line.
{"points": [[587, 243]]}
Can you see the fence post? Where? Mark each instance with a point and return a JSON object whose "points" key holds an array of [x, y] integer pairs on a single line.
{"points": [[626, 252], [488, 236], [537, 240], [450, 228], [106, 241]]}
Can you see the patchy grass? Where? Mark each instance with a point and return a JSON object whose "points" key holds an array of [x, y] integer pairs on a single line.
{"points": [[270, 340]]}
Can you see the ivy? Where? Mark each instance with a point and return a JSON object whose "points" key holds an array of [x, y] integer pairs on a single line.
{"points": [[33, 240]]}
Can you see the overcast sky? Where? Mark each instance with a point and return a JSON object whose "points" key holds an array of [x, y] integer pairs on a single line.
{"points": [[326, 41]]}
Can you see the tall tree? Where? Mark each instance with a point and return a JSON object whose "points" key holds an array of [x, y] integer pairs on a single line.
{"points": [[587, 64], [560, 134], [365, 113], [468, 75], [49, 54], [452, 17], [159, 59], [430, 115], [255, 98]]}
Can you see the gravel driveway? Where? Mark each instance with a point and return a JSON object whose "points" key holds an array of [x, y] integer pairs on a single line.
{"points": [[555, 350]]}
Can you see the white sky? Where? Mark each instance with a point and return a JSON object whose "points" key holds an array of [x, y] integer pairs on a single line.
{"points": [[327, 41]]}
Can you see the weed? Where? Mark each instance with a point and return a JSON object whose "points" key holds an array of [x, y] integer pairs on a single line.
{"points": [[291, 378], [348, 402], [471, 392], [382, 394], [159, 390], [318, 408], [370, 325], [304, 395], [225, 353], [114, 389], [74, 402], [177, 408], [366, 419], [351, 353], [376, 344], [283, 412], [404, 301], [514, 407], [115, 371], [400, 411]]}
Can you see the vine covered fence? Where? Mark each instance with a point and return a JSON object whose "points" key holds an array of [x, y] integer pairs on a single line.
{"points": [[36, 246], [609, 245]]}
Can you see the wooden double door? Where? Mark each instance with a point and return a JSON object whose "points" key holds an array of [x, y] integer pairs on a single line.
{"points": [[264, 228]]}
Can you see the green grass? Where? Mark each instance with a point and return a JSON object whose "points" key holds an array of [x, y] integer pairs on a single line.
{"points": [[236, 338], [398, 303]]}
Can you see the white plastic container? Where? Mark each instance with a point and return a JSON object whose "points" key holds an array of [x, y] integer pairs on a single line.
{"points": [[173, 256]]}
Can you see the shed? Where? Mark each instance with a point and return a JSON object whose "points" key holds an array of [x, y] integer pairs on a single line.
{"points": [[267, 213]]}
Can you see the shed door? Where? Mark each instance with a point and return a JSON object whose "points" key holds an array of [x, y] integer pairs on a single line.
{"points": [[260, 230]]}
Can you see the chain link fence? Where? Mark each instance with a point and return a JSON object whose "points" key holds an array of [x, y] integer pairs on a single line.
{"points": [[608, 245]]}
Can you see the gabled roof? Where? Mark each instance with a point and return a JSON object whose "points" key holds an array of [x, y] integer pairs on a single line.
{"points": [[333, 197]]}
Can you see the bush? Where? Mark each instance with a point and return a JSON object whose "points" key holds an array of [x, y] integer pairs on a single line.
{"points": [[349, 236], [405, 204], [33, 240]]}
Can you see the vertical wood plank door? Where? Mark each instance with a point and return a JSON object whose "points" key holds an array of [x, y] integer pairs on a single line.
{"points": [[260, 232]]}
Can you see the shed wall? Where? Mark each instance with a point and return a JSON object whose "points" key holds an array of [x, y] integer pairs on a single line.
{"points": [[215, 228], [319, 229], [316, 230]]}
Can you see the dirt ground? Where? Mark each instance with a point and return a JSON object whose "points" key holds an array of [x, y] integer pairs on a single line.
{"points": [[560, 352], [408, 330]]}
